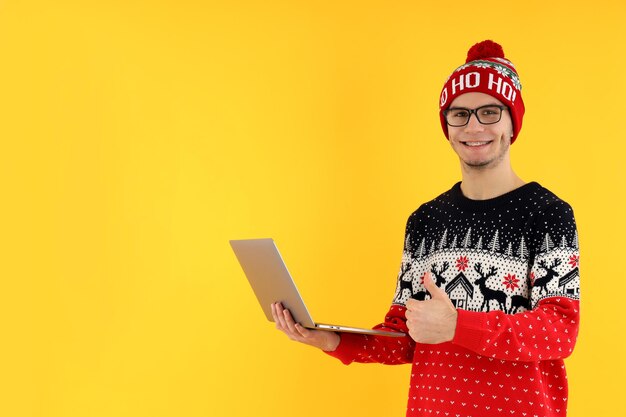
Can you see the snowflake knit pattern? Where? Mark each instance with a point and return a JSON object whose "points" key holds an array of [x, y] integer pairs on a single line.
{"points": [[510, 265]]}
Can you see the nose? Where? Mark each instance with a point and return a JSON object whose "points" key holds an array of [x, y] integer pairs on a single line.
{"points": [[473, 125]]}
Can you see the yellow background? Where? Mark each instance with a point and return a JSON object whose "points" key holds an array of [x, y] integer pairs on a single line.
{"points": [[139, 136]]}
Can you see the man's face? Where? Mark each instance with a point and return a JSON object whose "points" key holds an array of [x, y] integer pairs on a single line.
{"points": [[481, 146]]}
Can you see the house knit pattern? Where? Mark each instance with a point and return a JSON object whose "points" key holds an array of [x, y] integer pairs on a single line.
{"points": [[510, 265]]}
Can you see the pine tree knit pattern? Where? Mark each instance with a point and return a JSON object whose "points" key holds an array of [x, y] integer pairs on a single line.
{"points": [[510, 266]]}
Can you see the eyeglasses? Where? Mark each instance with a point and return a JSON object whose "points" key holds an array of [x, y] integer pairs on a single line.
{"points": [[486, 115]]}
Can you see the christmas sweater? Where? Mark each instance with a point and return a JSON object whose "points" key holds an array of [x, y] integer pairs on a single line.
{"points": [[510, 267]]}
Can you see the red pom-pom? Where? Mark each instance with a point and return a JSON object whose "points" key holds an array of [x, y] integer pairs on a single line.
{"points": [[484, 49]]}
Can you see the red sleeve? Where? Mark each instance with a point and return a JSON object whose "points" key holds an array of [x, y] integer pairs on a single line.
{"points": [[379, 349], [547, 332]]}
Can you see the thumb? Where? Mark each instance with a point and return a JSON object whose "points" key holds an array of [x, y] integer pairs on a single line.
{"points": [[432, 288]]}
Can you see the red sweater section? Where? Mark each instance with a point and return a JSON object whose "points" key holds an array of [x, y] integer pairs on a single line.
{"points": [[497, 365]]}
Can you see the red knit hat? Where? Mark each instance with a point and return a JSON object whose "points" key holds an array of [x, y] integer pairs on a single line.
{"points": [[486, 70]]}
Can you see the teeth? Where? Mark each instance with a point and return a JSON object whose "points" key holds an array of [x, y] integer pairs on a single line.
{"points": [[476, 143]]}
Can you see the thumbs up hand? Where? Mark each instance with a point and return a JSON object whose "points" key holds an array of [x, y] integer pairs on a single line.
{"points": [[431, 321]]}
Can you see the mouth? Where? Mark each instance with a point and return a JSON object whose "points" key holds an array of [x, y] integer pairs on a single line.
{"points": [[477, 144]]}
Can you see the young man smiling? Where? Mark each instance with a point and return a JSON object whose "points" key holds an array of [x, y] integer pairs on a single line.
{"points": [[488, 289]]}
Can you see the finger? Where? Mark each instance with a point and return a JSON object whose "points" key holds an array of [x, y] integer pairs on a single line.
{"points": [[275, 314], [290, 322], [412, 317], [432, 288], [287, 323], [273, 310], [279, 318], [303, 331]]}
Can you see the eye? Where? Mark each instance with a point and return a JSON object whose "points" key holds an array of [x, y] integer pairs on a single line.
{"points": [[460, 113], [489, 111]]}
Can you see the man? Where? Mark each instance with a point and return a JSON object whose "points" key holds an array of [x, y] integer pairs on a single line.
{"points": [[488, 289]]}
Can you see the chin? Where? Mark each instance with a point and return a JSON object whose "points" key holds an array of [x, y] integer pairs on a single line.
{"points": [[479, 164]]}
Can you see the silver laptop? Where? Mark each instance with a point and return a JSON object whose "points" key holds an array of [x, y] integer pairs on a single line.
{"points": [[271, 282]]}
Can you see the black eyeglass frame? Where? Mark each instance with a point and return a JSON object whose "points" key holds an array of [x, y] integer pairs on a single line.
{"points": [[474, 112]]}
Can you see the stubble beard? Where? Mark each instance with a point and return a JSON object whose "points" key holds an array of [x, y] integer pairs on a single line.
{"points": [[490, 163]]}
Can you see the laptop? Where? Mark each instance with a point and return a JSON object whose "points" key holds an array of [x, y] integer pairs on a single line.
{"points": [[268, 275]]}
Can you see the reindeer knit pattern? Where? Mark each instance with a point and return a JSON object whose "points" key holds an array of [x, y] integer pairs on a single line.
{"points": [[510, 266]]}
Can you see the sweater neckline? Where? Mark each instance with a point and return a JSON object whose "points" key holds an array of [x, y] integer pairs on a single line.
{"points": [[520, 193]]}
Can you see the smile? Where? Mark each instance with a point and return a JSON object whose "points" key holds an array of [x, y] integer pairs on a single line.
{"points": [[475, 144]]}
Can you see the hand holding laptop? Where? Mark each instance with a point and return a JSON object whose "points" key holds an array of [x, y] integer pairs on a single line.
{"points": [[327, 341]]}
